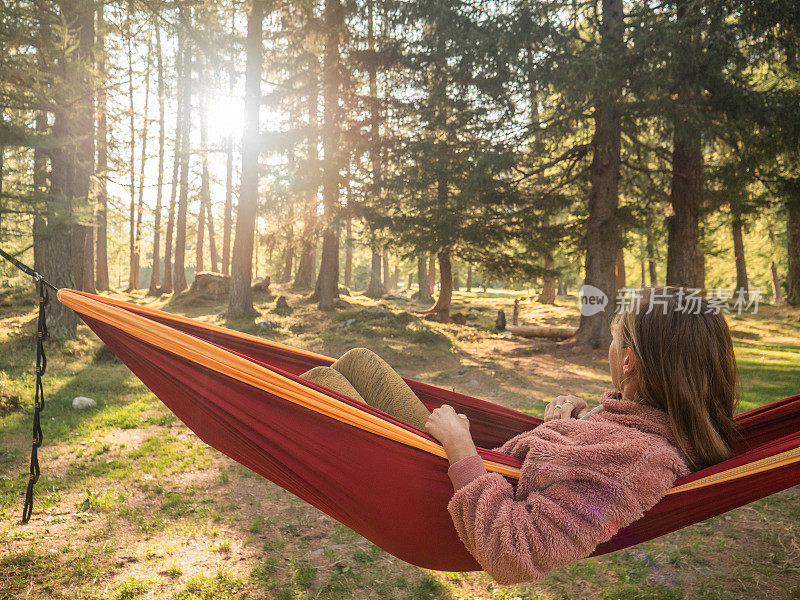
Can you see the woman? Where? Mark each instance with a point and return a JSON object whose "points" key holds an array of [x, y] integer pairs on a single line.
{"points": [[584, 479]]}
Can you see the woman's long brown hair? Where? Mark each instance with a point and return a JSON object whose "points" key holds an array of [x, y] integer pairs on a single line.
{"points": [[685, 366]]}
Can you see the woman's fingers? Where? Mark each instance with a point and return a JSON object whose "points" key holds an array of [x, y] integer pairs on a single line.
{"points": [[548, 410], [563, 407]]}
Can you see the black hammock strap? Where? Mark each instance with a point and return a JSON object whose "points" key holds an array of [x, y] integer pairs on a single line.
{"points": [[41, 366]]}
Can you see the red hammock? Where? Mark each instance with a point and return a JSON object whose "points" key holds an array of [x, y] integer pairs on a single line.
{"points": [[394, 494]]}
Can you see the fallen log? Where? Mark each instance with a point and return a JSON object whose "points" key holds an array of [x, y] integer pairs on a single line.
{"points": [[530, 331]]}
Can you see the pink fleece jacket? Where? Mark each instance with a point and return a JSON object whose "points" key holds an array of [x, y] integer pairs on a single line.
{"points": [[581, 481]]}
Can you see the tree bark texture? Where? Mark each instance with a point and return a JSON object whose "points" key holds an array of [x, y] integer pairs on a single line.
{"points": [[443, 302], [422, 279], [687, 165], [72, 164], [304, 279], [166, 287], [619, 269], [432, 274], [793, 249], [601, 232], [548, 295], [155, 278], [348, 255], [327, 287], [738, 247], [375, 287], [179, 265], [241, 295], [101, 212], [387, 278]]}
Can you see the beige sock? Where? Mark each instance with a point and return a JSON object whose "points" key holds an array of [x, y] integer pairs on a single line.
{"points": [[332, 379], [380, 386]]}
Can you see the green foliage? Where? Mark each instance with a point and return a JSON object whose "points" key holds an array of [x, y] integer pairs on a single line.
{"points": [[130, 589], [220, 586]]}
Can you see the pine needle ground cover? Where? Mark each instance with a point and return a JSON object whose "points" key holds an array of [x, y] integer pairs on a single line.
{"points": [[132, 505]]}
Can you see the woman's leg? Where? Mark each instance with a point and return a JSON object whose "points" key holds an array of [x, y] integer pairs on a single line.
{"points": [[380, 386], [332, 379]]}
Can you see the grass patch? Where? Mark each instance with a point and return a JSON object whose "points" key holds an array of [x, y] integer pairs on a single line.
{"points": [[130, 588], [383, 323], [220, 586], [25, 571]]}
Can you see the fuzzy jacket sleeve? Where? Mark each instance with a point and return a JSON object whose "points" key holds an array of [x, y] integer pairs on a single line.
{"points": [[581, 481]]}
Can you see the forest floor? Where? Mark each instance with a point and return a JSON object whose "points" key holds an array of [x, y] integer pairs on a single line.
{"points": [[131, 504]]}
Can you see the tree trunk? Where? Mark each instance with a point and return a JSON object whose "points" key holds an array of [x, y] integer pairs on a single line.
{"points": [[456, 281], [327, 288], [619, 269], [793, 249], [700, 264], [84, 243], [738, 247], [651, 261], [241, 294], [432, 274], [83, 233], [39, 188], [40, 161], [72, 164], [228, 217], [288, 255], [348, 256], [469, 278], [155, 279], [687, 167], [212, 240], [601, 234], [396, 278], [205, 189], [442, 307], [422, 278], [201, 228], [305, 277], [777, 293], [136, 262], [643, 273], [179, 266], [375, 287], [166, 287], [132, 182], [387, 279], [548, 295], [228, 222], [306, 265], [204, 214]]}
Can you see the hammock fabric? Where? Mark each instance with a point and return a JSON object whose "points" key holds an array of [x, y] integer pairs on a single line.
{"points": [[377, 475]]}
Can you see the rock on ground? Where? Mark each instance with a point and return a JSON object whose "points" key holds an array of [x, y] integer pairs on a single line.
{"points": [[81, 402], [213, 286]]}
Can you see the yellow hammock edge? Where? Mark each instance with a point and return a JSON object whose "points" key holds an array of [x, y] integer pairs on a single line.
{"points": [[226, 363]]}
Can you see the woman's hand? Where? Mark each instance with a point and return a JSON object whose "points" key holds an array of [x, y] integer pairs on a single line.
{"points": [[565, 407], [452, 430]]}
